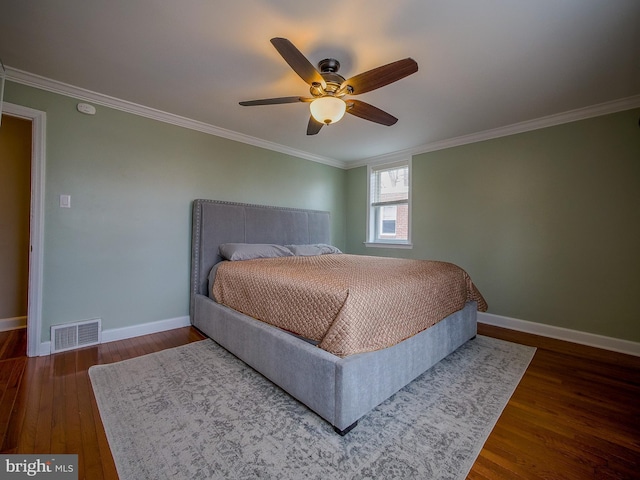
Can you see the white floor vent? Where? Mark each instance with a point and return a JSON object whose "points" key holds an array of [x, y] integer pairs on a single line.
{"points": [[75, 335]]}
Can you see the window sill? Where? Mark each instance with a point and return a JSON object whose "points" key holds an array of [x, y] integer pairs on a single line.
{"points": [[388, 245]]}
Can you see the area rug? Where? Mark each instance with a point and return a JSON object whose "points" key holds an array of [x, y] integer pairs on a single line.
{"points": [[197, 412]]}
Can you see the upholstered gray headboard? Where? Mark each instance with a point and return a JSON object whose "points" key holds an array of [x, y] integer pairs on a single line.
{"points": [[217, 222]]}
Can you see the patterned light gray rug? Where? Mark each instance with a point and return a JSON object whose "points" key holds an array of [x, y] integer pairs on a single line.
{"points": [[197, 412]]}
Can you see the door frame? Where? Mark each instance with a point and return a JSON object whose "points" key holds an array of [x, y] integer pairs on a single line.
{"points": [[36, 223]]}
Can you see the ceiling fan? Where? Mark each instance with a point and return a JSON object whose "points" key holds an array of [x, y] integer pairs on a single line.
{"points": [[328, 88]]}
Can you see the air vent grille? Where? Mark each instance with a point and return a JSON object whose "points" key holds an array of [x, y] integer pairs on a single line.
{"points": [[75, 335]]}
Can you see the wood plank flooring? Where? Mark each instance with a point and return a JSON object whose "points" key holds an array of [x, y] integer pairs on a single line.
{"points": [[575, 414]]}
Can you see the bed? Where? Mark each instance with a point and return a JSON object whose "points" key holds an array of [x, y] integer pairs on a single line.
{"points": [[339, 388]]}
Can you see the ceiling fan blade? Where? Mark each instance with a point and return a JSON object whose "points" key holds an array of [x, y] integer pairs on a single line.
{"points": [[298, 61], [275, 101], [369, 112], [379, 77], [314, 126]]}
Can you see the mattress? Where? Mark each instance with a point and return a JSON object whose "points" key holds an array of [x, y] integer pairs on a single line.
{"points": [[348, 304]]}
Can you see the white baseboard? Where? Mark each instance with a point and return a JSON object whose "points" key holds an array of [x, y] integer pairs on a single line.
{"points": [[12, 323], [114, 334], [559, 333], [44, 349]]}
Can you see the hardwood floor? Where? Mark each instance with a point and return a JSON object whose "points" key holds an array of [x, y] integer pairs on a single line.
{"points": [[575, 414], [47, 404]]}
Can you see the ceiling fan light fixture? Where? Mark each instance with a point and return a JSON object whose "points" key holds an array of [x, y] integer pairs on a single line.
{"points": [[328, 109]]}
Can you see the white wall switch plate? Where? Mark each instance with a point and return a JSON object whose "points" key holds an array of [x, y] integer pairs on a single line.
{"points": [[65, 201]]}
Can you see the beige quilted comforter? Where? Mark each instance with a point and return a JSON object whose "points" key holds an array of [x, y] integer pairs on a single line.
{"points": [[347, 303]]}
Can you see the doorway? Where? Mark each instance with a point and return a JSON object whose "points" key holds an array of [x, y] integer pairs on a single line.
{"points": [[36, 223], [15, 199]]}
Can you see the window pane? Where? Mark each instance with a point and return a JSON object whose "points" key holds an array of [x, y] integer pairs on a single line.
{"points": [[390, 184], [389, 217], [392, 222]]}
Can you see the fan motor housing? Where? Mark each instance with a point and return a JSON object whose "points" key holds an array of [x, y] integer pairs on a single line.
{"points": [[328, 69], [329, 65]]}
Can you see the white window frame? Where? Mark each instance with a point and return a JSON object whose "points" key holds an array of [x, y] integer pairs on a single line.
{"points": [[372, 240]]}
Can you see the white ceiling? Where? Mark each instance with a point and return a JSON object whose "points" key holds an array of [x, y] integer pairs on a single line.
{"points": [[483, 64]]}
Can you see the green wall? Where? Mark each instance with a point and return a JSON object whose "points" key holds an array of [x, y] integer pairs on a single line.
{"points": [[122, 251], [547, 223]]}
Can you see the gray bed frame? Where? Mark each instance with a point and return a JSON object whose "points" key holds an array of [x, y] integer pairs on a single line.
{"points": [[340, 390]]}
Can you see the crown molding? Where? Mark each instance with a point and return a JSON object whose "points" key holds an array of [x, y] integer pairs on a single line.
{"points": [[605, 108], [54, 86]]}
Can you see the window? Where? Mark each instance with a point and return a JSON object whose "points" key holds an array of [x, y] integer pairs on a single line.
{"points": [[389, 204]]}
